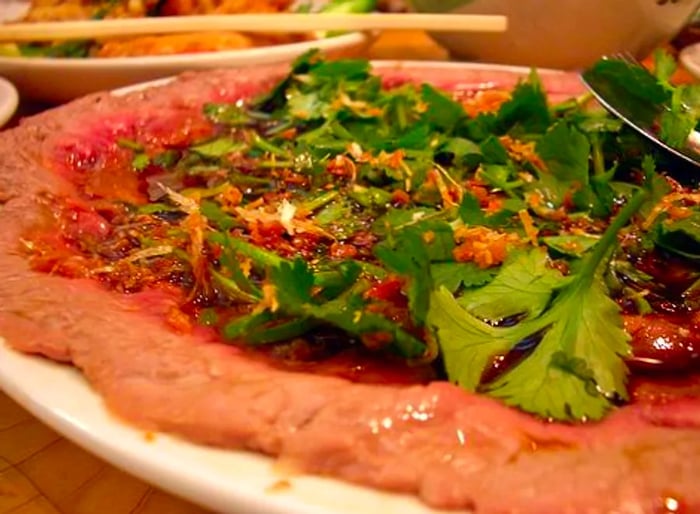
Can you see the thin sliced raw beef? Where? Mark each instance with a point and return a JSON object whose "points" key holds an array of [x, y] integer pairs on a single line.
{"points": [[452, 448]]}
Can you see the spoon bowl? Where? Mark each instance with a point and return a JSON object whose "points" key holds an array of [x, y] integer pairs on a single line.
{"points": [[635, 110]]}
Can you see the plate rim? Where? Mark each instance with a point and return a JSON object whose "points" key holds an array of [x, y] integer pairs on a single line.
{"points": [[8, 103]]}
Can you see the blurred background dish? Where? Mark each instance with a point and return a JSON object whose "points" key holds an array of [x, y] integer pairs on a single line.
{"points": [[9, 100], [63, 70], [38, 11], [566, 34], [56, 80]]}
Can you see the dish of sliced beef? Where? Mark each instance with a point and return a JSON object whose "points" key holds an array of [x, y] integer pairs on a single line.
{"points": [[478, 292]]}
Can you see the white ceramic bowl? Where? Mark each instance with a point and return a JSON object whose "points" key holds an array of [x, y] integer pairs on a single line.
{"points": [[566, 34]]}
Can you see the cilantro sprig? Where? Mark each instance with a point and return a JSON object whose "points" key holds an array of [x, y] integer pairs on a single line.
{"points": [[577, 369]]}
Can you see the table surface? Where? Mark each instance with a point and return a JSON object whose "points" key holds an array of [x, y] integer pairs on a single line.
{"points": [[44, 473]]}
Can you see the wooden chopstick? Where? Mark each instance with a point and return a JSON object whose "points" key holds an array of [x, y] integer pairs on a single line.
{"points": [[269, 23]]}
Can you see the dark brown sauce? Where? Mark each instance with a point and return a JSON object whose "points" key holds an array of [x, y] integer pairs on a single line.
{"points": [[356, 364], [662, 388]]}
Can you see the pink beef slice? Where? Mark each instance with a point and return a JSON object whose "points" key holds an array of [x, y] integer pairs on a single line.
{"points": [[451, 448]]}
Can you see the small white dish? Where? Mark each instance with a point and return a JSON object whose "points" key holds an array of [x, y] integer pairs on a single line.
{"points": [[690, 59], [9, 99]]}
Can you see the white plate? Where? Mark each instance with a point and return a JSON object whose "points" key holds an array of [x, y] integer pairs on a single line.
{"points": [[61, 79], [225, 481], [690, 59], [8, 100]]}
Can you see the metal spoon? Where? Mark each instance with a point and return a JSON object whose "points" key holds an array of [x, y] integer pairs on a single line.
{"points": [[643, 116]]}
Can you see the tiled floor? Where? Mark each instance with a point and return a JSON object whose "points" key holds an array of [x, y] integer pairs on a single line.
{"points": [[43, 473]]}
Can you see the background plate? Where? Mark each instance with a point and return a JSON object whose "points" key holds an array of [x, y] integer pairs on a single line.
{"points": [[60, 79]]}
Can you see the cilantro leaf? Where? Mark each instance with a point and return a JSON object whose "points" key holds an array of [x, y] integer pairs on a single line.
{"points": [[597, 122], [681, 237], [226, 114], [571, 245], [338, 279], [524, 286], [306, 106], [664, 65], [493, 151], [438, 239], [500, 176], [636, 91], [453, 275], [461, 151], [340, 69], [677, 122], [577, 367], [527, 110], [443, 112], [406, 253], [467, 344], [471, 213], [293, 283], [140, 162], [565, 152], [218, 147], [656, 185], [214, 213], [397, 218]]}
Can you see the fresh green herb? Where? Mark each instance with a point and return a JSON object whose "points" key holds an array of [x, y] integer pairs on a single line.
{"points": [[217, 147], [681, 237], [456, 275], [130, 144], [140, 161], [571, 245], [293, 284], [72, 49]]}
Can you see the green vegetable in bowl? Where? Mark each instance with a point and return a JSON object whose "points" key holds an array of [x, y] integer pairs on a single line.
{"points": [[438, 6], [349, 6]]}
